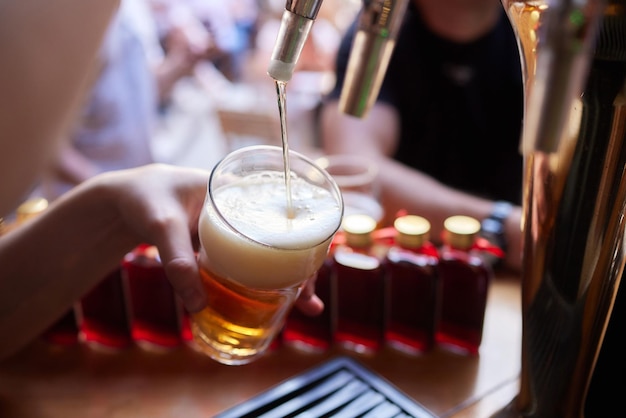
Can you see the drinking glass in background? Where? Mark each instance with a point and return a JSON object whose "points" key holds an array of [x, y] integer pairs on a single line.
{"points": [[357, 178], [259, 245]]}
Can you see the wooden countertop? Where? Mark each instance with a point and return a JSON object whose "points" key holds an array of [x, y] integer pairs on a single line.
{"points": [[48, 381]]}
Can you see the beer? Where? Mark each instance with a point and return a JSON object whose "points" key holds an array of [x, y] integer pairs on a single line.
{"points": [[254, 257], [357, 178]]}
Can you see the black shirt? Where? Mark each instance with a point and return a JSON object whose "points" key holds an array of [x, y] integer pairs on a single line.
{"points": [[460, 106]]}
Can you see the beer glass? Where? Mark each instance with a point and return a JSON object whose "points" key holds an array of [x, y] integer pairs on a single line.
{"points": [[262, 235], [357, 178]]}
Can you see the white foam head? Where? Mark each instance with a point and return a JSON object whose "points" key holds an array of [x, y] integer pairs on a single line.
{"points": [[270, 249]]}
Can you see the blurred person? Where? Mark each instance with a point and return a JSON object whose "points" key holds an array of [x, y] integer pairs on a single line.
{"points": [[446, 127], [48, 50], [231, 26], [134, 78]]}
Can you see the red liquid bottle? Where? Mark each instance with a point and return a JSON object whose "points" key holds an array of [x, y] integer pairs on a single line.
{"points": [[413, 286], [465, 279], [65, 330], [312, 333], [155, 312], [185, 327], [359, 278], [103, 314]]}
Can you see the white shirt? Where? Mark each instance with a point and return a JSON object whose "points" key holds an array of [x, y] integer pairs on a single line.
{"points": [[115, 125]]}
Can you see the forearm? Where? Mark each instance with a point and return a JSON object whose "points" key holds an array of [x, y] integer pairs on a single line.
{"points": [[51, 261], [403, 188], [372, 136]]}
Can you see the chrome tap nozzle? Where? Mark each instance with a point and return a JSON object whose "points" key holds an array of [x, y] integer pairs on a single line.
{"points": [[378, 26], [295, 26]]}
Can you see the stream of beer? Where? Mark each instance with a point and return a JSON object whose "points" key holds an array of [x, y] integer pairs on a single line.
{"points": [[281, 87]]}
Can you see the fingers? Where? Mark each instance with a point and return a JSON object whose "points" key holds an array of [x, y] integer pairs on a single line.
{"points": [[181, 267], [311, 306], [160, 205], [308, 302]]}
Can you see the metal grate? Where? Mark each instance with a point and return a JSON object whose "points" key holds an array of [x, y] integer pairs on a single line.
{"points": [[339, 388]]}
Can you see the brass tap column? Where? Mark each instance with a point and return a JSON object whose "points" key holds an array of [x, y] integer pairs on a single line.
{"points": [[574, 147]]}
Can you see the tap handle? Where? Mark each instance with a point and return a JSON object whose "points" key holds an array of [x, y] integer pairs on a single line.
{"points": [[294, 30], [564, 49], [378, 26], [304, 8]]}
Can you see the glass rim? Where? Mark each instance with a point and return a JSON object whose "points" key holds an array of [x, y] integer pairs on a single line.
{"points": [[336, 191], [367, 173]]}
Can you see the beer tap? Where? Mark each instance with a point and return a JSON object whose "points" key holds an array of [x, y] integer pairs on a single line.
{"points": [[295, 26], [378, 26], [574, 146]]}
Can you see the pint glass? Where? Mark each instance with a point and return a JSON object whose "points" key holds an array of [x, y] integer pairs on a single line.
{"points": [[262, 236], [357, 178]]}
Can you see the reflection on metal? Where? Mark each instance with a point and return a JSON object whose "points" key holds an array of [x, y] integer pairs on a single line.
{"points": [[574, 199]]}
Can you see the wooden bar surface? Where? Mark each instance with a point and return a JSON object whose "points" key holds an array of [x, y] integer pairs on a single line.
{"points": [[47, 381]]}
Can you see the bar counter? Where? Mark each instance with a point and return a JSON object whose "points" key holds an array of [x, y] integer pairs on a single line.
{"points": [[77, 381]]}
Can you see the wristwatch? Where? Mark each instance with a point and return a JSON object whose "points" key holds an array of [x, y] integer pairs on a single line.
{"points": [[492, 228]]}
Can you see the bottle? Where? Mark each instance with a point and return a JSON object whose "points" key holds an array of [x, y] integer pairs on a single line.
{"points": [[30, 209], [465, 279], [313, 333], [359, 278], [64, 331], [413, 287], [185, 326], [155, 311], [185, 330], [102, 314]]}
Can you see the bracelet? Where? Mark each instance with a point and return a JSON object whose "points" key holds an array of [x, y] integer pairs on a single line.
{"points": [[492, 228]]}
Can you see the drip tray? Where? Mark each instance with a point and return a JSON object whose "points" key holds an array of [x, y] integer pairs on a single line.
{"points": [[339, 388]]}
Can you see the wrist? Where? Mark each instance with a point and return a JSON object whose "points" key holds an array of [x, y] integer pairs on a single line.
{"points": [[493, 228]]}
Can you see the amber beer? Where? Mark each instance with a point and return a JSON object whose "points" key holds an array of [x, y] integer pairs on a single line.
{"points": [[254, 258]]}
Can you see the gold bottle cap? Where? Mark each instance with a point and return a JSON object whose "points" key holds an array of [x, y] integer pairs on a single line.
{"points": [[30, 208], [358, 230], [460, 231], [413, 231]]}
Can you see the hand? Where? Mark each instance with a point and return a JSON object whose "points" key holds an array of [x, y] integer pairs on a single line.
{"points": [[85, 233], [182, 54], [308, 302], [160, 205], [181, 57]]}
